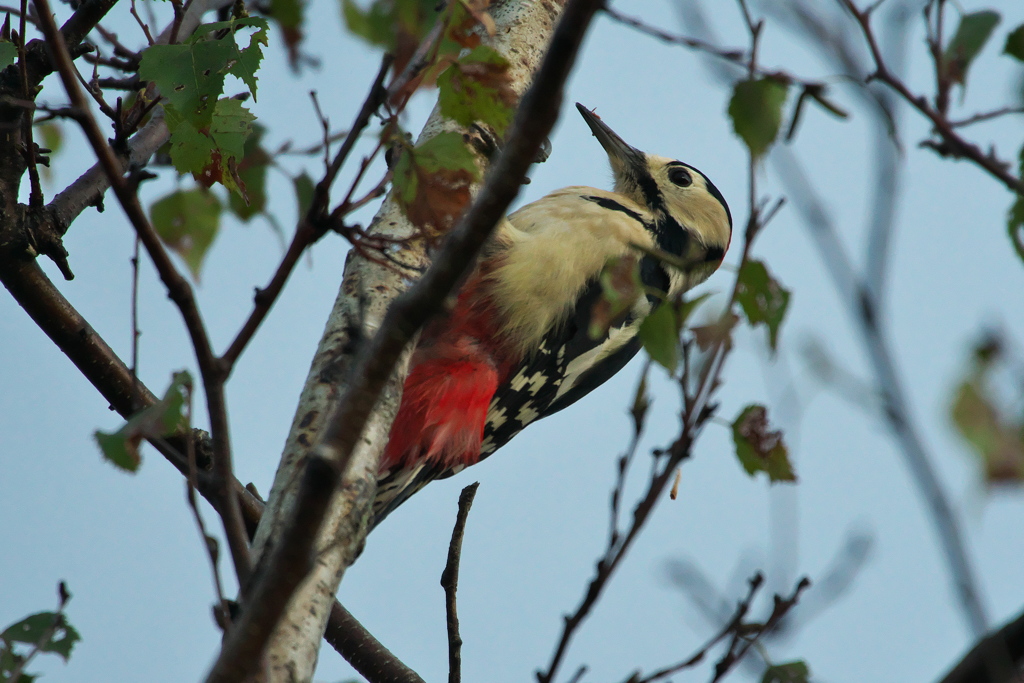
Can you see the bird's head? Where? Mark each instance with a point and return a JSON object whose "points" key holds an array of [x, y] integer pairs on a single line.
{"points": [[691, 217]]}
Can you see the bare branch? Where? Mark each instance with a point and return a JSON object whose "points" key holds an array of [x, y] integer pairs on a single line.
{"points": [[954, 144], [364, 652], [450, 583], [997, 658], [178, 289], [278, 578], [312, 226]]}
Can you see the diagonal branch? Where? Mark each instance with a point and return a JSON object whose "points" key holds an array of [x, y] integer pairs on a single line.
{"points": [[338, 410], [312, 226], [178, 289], [954, 143]]}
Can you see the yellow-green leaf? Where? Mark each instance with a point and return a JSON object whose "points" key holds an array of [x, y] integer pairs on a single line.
{"points": [[477, 88], [659, 333], [758, 448], [164, 418], [187, 222], [756, 112], [8, 53], [763, 300], [971, 35]]}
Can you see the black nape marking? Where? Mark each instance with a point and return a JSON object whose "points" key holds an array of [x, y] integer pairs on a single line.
{"points": [[714, 255], [612, 205], [714, 191]]}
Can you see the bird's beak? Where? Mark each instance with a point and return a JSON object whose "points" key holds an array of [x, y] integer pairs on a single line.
{"points": [[624, 158]]}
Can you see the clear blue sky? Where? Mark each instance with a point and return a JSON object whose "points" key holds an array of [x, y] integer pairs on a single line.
{"points": [[130, 553]]}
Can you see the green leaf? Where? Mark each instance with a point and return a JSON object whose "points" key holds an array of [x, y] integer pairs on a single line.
{"points": [[390, 23], [164, 418], [790, 672], [211, 155], [998, 443], [1015, 43], [50, 136], [33, 630], [244, 62], [304, 189], [691, 305], [763, 299], [187, 222], [446, 152], [758, 448], [756, 112], [476, 89], [1015, 226], [191, 75], [620, 288], [252, 171], [431, 181], [372, 24], [8, 54], [659, 333], [231, 126], [9, 661], [971, 35], [641, 403]]}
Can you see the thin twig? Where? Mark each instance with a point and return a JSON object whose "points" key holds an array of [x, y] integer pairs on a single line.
{"points": [[141, 23], [986, 116], [754, 584], [310, 227], [178, 289], [696, 412], [44, 639], [73, 335], [954, 143], [863, 307], [209, 542], [450, 583], [736, 56], [135, 317], [364, 652], [36, 192]]}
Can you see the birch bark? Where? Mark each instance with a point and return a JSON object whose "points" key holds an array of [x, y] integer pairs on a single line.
{"points": [[523, 30]]}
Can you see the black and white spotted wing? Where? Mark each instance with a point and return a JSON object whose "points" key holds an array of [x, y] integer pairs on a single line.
{"points": [[567, 366]]}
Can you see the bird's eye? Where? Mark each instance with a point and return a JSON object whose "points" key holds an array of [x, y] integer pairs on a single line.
{"points": [[680, 176]]}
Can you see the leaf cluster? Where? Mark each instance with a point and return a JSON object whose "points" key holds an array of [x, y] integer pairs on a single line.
{"points": [[43, 632]]}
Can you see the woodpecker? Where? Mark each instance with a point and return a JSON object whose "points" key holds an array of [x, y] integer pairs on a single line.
{"points": [[516, 346]]}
